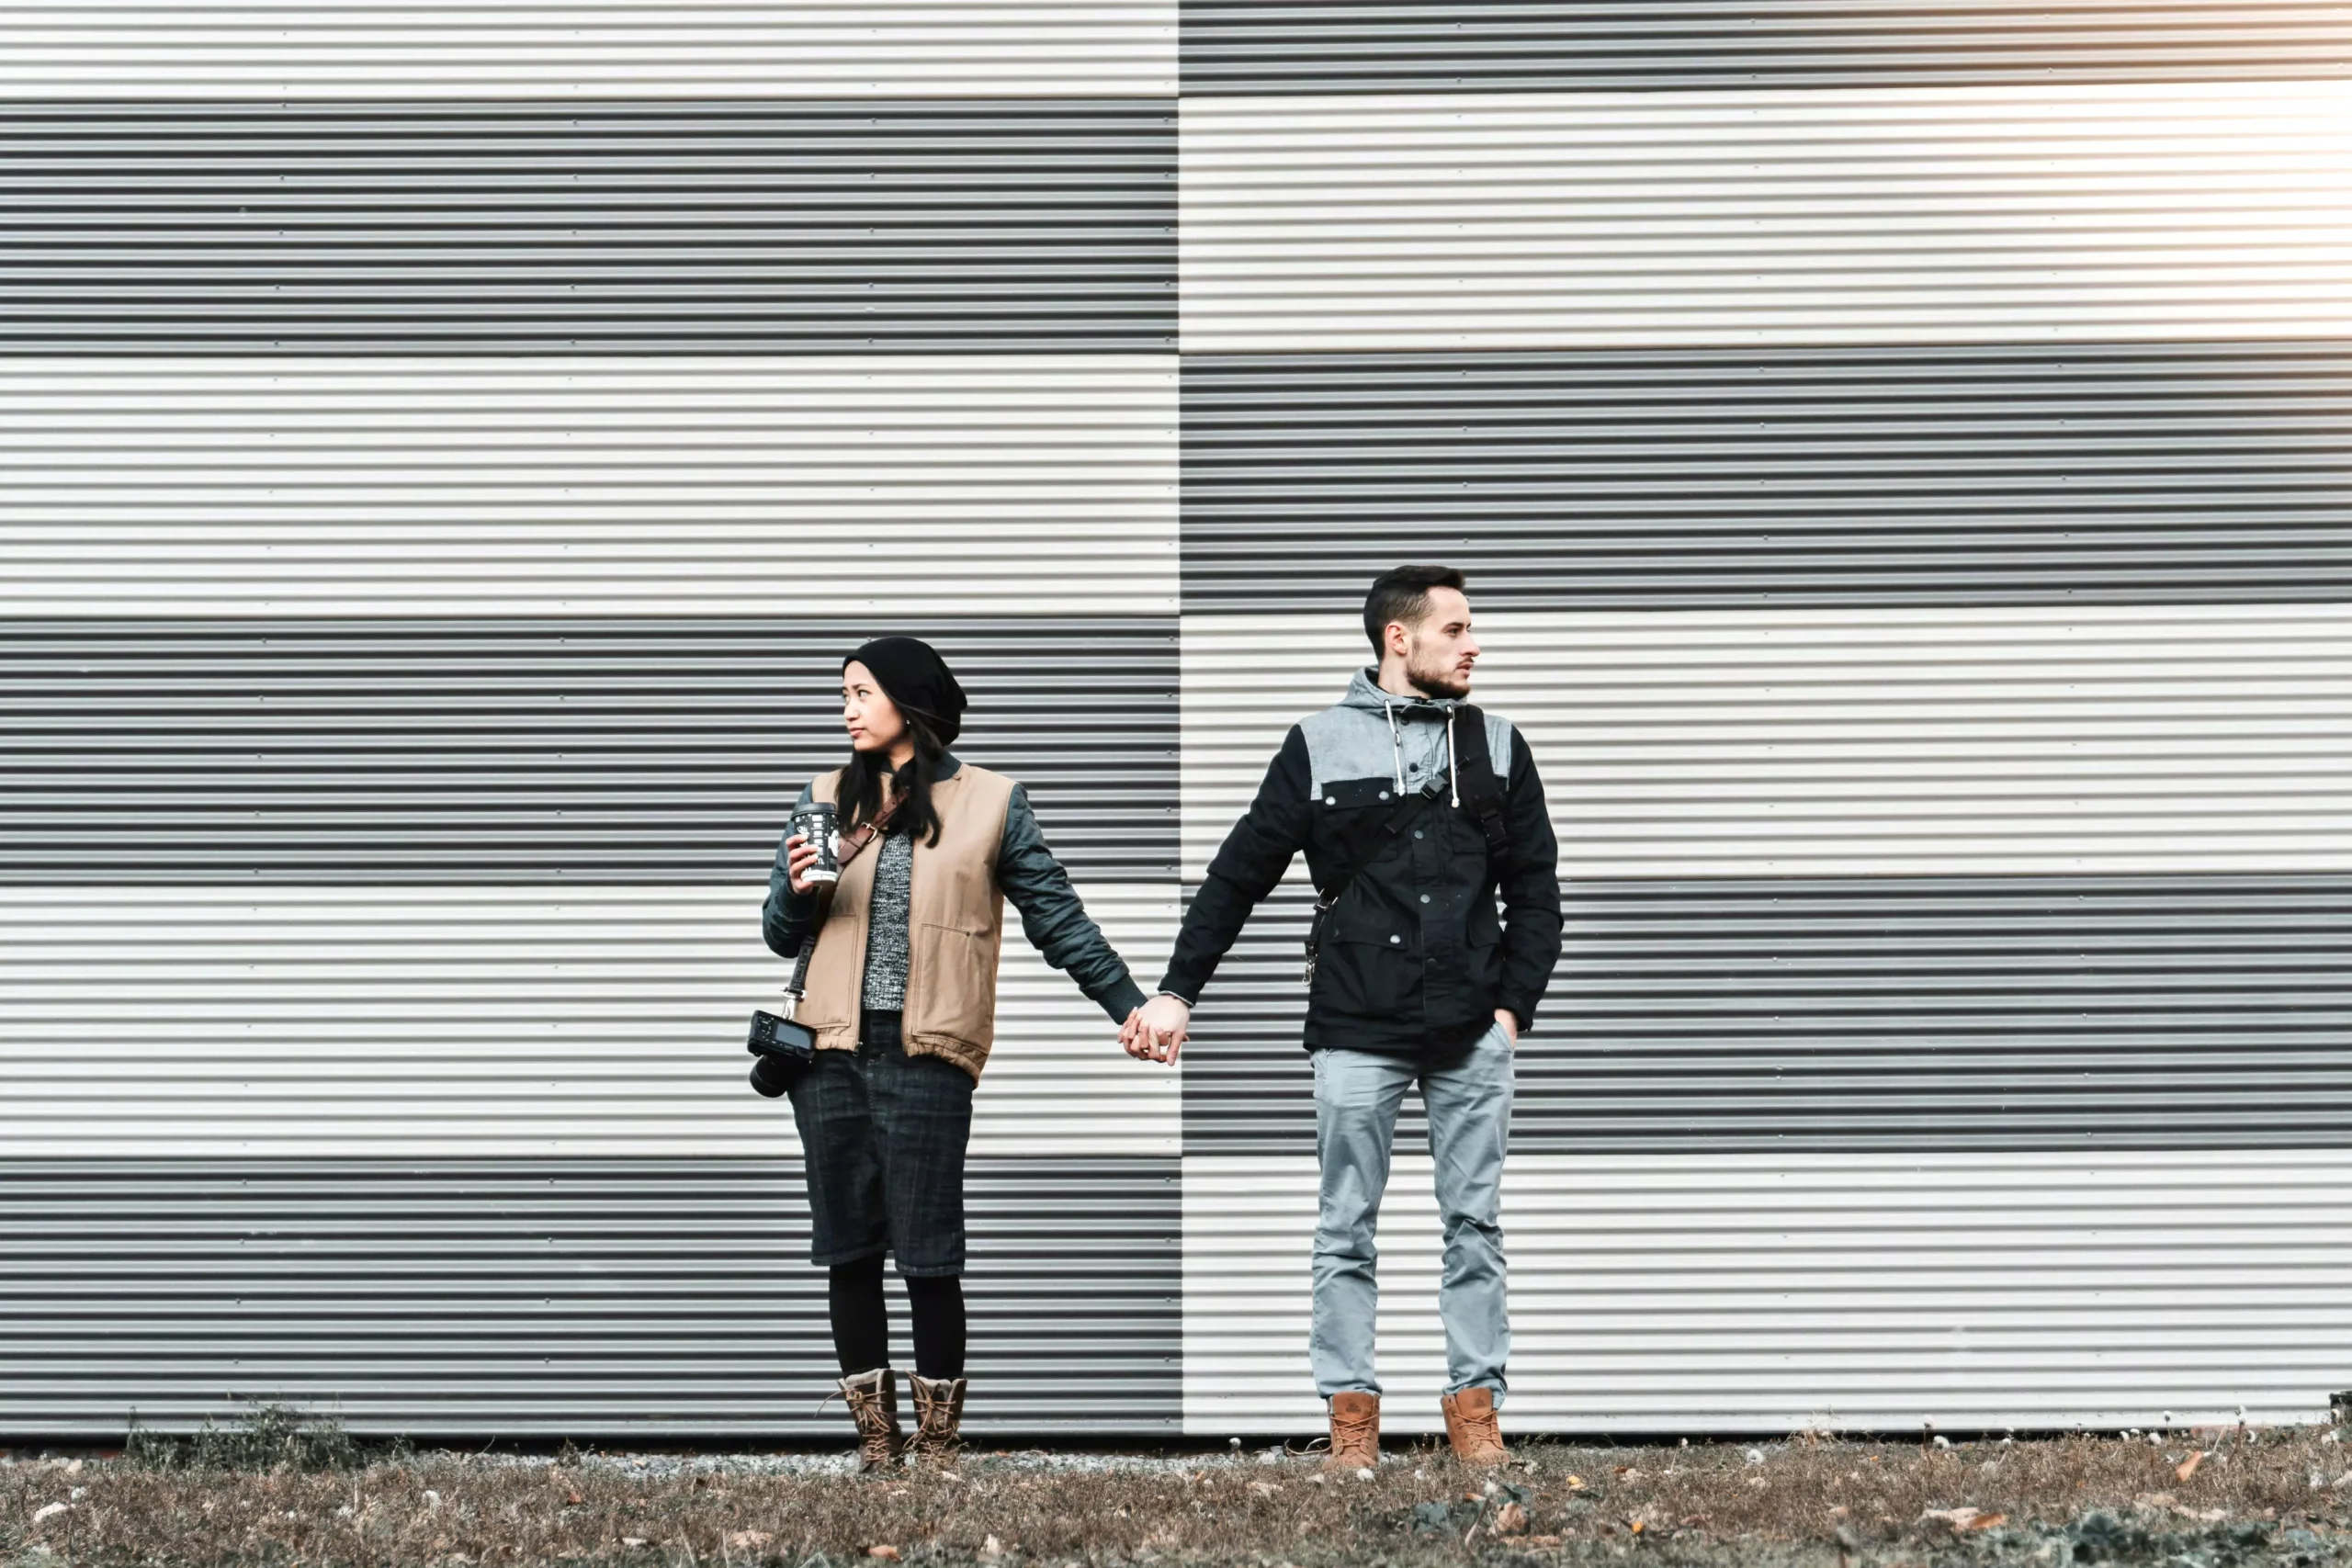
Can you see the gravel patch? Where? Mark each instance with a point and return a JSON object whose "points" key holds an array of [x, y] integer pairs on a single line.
{"points": [[2217, 1498]]}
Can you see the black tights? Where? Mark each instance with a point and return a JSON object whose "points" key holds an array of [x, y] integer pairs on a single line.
{"points": [[862, 1323]]}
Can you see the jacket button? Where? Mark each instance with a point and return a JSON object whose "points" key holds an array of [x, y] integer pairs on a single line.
{"points": [[1330, 800], [1395, 939], [1383, 795], [1417, 832], [1425, 897]]}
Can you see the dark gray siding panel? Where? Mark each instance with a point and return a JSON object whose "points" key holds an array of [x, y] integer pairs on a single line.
{"points": [[1337, 46], [1666, 479], [846, 226], [552, 1297], [1874, 1014], [532, 750]]}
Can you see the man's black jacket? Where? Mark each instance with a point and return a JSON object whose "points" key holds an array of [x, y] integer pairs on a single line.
{"points": [[1415, 956]]}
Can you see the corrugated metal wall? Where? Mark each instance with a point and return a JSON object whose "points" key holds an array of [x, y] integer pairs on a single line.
{"points": [[482, 1019], [1900, 453], [677, 485], [1666, 479], [1706, 1292], [529, 49], [999, 225], [443, 456], [1384, 46], [1517, 220], [632, 1295]]}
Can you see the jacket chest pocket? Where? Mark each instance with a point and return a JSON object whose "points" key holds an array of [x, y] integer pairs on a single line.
{"points": [[1343, 799], [1349, 815]]}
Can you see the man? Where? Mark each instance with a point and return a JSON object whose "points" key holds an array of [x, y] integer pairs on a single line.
{"points": [[1416, 812]]}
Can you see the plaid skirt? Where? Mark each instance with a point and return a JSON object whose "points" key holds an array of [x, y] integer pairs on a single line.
{"points": [[884, 1134]]}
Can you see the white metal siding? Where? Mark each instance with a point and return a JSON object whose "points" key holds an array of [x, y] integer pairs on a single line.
{"points": [[2010, 741], [1521, 221], [963, 485], [1764, 1293], [534, 49], [484, 1022]]}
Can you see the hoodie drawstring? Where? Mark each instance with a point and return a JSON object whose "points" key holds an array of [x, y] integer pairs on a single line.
{"points": [[1397, 750], [1452, 778]]}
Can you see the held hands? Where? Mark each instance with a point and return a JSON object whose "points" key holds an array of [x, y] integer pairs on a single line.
{"points": [[804, 854], [1157, 1031]]}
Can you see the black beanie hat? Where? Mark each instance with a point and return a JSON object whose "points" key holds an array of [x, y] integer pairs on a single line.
{"points": [[917, 680]]}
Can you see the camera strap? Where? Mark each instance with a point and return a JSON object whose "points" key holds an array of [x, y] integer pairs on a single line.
{"points": [[851, 844]]}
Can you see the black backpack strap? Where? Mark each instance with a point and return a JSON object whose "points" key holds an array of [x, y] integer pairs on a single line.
{"points": [[1482, 786]]}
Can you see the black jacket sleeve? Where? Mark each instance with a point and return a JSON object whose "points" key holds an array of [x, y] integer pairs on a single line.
{"points": [[1247, 867], [1530, 887], [1053, 918], [787, 917]]}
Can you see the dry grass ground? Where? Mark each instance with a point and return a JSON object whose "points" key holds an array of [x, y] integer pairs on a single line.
{"points": [[2212, 1498]]}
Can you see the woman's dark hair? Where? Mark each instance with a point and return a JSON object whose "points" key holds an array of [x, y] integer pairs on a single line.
{"points": [[860, 794]]}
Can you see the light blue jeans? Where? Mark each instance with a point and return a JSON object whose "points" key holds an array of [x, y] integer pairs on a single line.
{"points": [[1356, 1097]]}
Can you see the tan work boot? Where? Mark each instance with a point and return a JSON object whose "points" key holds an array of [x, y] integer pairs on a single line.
{"points": [[939, 1418], [873, 1400], [1355, 1432], [1470, 1426]]}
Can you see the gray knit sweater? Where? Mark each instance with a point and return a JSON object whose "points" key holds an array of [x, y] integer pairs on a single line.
{"points": [[885, 924]]}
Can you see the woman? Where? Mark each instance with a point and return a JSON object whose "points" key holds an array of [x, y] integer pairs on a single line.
{"points": [[901, 995]]}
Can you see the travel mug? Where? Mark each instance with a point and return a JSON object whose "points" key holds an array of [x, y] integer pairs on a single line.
{"points": [[816, 822]]}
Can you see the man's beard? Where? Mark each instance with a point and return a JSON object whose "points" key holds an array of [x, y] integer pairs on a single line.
{"points": [[1435, 681]]}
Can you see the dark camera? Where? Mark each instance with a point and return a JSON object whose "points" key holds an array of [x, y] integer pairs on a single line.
{"points": [[772, 1078], [784, 1050]]}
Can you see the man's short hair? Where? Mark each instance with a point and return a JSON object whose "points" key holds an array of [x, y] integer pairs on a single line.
{"points": [[1403, 595]]}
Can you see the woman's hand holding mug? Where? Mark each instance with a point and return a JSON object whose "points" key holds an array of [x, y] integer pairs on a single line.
{"points": [[803, 854]]}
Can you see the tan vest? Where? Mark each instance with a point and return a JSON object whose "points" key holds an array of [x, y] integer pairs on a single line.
{"points": [[955, 927]]}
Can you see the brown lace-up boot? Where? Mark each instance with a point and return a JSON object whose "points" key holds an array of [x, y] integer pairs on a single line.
{"points": [[939, 1418], [873, 1400], [1355, 1432], [1471, 1428]]}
